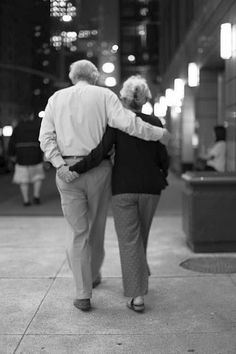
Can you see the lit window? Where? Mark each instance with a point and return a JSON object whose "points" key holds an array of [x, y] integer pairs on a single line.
{"points": [[64, 38], [66, 18], [64, 10]]}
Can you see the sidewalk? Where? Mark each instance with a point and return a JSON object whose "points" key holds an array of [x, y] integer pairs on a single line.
{"points": [[186, 311]]}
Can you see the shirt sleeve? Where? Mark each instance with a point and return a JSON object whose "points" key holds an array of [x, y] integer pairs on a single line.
{"points": [[127, 121], [96, 155], [48, 139]]}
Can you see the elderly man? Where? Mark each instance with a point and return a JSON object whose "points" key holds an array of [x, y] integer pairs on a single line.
{"points": [[74, 123]]}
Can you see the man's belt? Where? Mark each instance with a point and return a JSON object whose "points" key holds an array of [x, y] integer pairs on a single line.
{"points": [[73, 157]]}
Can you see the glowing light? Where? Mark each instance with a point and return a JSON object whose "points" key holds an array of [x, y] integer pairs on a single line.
{"points": [[7, 130], [147, 108], [179, 88], [163, 121], [170, 97], [108, 67], [46, 80], [226, 40], [66, 18], [64, 10], [41, 114], [163, 101], [193, 75], [114, 48], [159, 109], [87, 33], [195, 140], [131, 58], [110, 81], [64, 38]]}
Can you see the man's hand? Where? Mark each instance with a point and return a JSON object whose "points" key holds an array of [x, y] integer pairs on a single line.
{"points": [[66, 175], [166, 137]]}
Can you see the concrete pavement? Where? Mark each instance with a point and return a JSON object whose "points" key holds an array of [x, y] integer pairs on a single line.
{"points": [[186, 311]]}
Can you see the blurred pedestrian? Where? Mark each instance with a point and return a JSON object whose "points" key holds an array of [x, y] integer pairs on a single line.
{"points": [[74, 123], [138, 177], [25, 152], [215, 158]]}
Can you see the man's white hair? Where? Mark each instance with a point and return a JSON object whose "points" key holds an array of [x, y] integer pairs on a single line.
{"points": [[135, 91], [83, 70]]}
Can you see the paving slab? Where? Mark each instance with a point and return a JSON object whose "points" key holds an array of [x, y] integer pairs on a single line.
{"points": [[166, 250], [31, 262], [202, 304], [8, 343], [33, 232], [198, 343], [20, 299]]}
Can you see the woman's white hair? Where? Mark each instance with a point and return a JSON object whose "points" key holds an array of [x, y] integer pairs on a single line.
{"points": [[83, 70], [135, 91]]}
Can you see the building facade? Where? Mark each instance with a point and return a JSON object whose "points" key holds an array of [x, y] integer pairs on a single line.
{"points": [[139, 40], [15, 58], [190, 33]]}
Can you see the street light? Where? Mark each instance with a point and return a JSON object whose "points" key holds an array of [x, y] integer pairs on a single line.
{"points": [[7, 130], [110, 81], [226, 40], [108, 67], [179, 88], [193, 75]]}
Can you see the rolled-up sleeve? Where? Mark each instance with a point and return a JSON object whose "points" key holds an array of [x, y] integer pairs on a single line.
{"points": [[48, 138], [127, 121]]}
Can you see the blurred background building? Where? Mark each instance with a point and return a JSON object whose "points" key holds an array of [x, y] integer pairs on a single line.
{"points": [[176, 44], [198, 47]]}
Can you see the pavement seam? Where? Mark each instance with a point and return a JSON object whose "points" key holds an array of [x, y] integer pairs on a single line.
{"points": [[38, 307], [232, 280]]}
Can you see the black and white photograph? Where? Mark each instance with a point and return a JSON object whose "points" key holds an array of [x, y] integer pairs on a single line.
{"points": [[117, 176]]}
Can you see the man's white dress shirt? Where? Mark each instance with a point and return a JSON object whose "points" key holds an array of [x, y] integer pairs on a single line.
{"points": [[76, 118]]}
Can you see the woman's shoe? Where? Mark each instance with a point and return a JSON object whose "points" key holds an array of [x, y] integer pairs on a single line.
{"points": [[97, 281], [36, 200], [135, 307]]}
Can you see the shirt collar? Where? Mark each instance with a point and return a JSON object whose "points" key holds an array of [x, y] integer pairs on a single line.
{"points": [[82, 83]]}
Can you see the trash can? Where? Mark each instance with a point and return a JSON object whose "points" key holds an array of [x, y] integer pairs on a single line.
{"points": [[209, 211]]}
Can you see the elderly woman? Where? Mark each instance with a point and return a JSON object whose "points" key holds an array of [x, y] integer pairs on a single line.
{"points": [[138, 177]]}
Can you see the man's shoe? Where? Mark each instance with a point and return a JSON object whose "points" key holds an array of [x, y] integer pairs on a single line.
{"points": [[97, 281], [82, 304]]}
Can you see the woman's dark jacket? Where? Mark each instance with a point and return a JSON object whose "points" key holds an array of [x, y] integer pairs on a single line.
{"points": [[24, 144], [139, 166]]}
